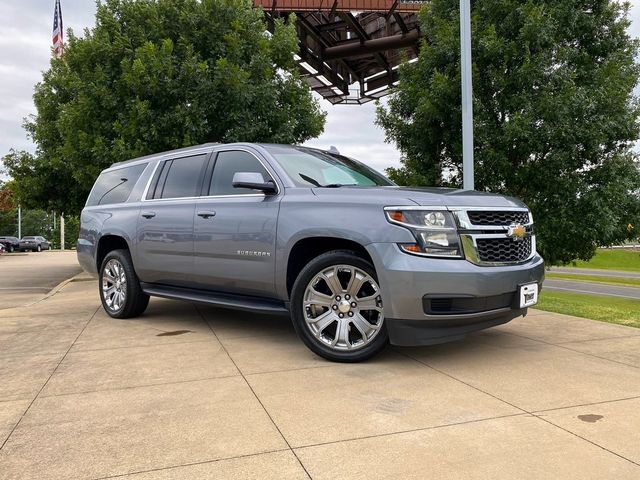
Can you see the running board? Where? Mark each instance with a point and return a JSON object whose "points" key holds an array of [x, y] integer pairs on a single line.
{"points": [[223, 300]]}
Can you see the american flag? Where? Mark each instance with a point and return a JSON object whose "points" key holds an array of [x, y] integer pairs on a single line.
{"points": [[57, 30]]}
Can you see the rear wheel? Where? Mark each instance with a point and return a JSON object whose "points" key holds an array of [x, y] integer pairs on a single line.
{"points": [[120, 291], [337, 309], [38, 248], [10, 249]]}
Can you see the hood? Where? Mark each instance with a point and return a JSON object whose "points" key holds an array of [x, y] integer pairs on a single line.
{"points": [[446, 197]]}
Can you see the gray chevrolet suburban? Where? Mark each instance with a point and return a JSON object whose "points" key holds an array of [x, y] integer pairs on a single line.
{"points": [[356, 261]]}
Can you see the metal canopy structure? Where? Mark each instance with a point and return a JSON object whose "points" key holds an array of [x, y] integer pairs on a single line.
{"points": [[363, 42], [350, 50]]}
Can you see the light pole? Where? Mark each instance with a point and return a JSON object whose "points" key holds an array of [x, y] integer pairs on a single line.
{"points": [[467, 95], [62, 231]]}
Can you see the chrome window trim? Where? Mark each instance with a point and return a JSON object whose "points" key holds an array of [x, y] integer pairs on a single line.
{"points": [[214, 151], [153, 174]]}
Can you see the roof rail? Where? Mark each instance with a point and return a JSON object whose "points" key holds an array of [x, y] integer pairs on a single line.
{"points": [[159, 154]]}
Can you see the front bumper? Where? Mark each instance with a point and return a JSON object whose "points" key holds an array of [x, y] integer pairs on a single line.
{"points": [[406, 279]]}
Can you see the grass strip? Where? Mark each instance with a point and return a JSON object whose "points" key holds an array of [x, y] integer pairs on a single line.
{"points": [[596, 307], [627, 260]]}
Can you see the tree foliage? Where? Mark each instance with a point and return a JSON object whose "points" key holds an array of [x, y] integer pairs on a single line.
{"points": [[154, 75], [554, 112]]}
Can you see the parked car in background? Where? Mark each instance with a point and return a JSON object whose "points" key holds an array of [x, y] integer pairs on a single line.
{"points": [[34, 244], [357, 261], [11, 244]]}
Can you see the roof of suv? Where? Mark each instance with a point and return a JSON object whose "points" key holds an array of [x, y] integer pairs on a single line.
{"points": [[204, 145], [160, 154]]}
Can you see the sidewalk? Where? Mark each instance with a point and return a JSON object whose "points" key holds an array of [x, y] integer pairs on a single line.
{"points": [[195, 392]]}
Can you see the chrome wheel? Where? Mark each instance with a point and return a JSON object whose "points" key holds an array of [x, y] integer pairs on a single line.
{"points": [[114, 285], [343, 308]]}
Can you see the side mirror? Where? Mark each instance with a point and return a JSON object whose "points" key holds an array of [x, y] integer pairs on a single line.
{"points": [[253, 180]]}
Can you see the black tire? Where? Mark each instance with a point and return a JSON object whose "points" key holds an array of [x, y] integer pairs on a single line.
{"points": [[10, 249], [136, 300], [336, 257], [38, 248]]}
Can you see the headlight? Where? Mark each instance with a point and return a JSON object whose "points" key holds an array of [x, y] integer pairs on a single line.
{"points": [[434, 230]]}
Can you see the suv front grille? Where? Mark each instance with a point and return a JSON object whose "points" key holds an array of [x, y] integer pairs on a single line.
{"points": [[497, 218], [503, 250]]}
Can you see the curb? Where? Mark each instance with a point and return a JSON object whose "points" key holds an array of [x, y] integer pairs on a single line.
{"points": [[80, 277]]}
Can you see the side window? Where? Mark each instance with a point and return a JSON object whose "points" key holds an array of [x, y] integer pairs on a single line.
{"points": [[181, 177], [115, 186], [227, 164]]}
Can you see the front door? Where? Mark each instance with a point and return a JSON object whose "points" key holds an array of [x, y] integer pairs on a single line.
{"points": [[235, 230], [164, 249]]}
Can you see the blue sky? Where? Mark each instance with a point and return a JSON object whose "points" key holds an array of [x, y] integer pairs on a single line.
{"points": [[25, 51]]}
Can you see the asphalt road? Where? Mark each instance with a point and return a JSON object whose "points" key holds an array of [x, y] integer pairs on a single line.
{"points": [[27, 277], [593, 271], [592, 288]]}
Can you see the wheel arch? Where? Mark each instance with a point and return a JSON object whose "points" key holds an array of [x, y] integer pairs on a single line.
{"points": [[108, 243], [308, 248]]}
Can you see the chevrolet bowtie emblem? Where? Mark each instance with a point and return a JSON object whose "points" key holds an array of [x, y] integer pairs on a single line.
{"points": [[516, 231]]}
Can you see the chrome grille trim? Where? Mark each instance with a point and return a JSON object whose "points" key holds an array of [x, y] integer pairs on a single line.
{"points": [[464, 222], [498, 217], [471, 233]]}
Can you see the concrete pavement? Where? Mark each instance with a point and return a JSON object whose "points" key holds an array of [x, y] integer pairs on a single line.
{"points": [[195, 392], [27, 277]]}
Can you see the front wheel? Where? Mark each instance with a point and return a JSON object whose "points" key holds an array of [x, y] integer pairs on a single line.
{"points": [[120, 291], [337, 309]]}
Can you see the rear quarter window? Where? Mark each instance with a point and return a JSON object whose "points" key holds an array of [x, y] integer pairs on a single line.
{"points": [[115, 186]]}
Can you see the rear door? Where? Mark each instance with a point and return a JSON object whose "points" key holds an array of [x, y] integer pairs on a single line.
{"points": [[235, 228], [164, 250]]}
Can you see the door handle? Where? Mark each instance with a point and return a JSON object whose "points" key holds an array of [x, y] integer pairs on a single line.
{"points": [[206, 214], [148, 214]]}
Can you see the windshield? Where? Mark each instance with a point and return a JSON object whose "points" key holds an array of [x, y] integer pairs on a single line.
{"points": [[314, 168]]}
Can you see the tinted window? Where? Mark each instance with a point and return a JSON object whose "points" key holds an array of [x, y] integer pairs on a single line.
{"points": [[227, 164], [115, 186], [183, 176]]}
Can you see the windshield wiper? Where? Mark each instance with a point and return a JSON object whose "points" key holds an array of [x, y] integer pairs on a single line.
{"points": [[316, 183], [338, 185], [312, 181]]}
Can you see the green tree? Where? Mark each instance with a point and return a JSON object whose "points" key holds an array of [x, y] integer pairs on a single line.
{"points": [[155, 75], [8, 212], [554, 111], [37, 222]]}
